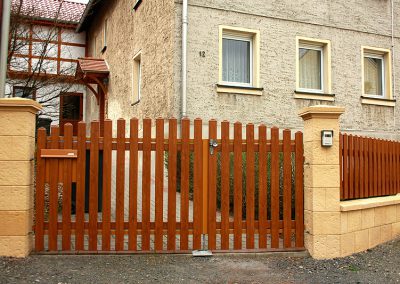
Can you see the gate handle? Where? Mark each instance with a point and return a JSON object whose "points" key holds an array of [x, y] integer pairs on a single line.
{"points": [[213, 144]]}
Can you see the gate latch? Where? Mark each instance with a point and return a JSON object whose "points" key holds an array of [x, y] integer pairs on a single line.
{"points": [[213, 144]]}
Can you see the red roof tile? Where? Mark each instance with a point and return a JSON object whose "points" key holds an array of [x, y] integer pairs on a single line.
{"points": [[93, 65], [63, 11]]}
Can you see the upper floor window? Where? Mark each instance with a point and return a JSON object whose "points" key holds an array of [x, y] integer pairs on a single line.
{"points": [[105, 35], [137, 78], [239, 61], [313, 66]]}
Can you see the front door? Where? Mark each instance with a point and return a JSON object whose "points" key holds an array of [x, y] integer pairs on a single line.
{"points": [[71, 110]]}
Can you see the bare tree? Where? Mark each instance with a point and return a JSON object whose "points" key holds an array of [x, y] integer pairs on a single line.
{"points": [[33, 51]]}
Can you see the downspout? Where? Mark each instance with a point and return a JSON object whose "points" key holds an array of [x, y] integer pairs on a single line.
{"points": [[393, 54], [184, 56], [5, 27]]}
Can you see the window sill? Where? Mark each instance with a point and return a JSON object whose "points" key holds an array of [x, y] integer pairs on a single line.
{"points": [[135, 103], [104, 49], [239, 90], [377, 101], [314, 96], [138, 2]]}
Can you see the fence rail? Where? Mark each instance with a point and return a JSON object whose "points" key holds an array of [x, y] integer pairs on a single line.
{"points": [[163, 194], [369, 167]]}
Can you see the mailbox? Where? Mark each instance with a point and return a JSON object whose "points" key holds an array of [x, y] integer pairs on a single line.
{"points": [[327, 138], [59, 153]]}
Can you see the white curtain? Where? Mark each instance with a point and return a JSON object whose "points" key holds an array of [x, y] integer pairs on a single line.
{"points": [[310, 69], [373, 76], [236, 61]]}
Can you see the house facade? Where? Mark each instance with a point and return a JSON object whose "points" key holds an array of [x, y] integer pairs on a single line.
{"points": [[44, 49], [250, 61]]}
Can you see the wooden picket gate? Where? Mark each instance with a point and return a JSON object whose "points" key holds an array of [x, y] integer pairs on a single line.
{"points": [[164, 194]]}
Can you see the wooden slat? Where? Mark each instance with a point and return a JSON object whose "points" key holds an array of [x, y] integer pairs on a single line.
{"points": [[212, 188], [299, 195], [225, 187], [146, 182], [185, 164], [107, 165], [275, 187], [53, 199], [361, 167], [80, 186], [371, 163], [197, 184], [39, 200], [351, 167], [172, 167], [380, 168], [133, 183], [94, 186], [287, 189], [341, 165], [366, 168], [250, 184], [376, 167], [237, 206], [346, 168], [159, 186], [356, 167], [384, 170], [262, 181], [67, 187], [120, 186]]}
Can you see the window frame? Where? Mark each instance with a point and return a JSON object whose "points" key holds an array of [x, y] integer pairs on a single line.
{"points": [[386, 94], [24, 87], [137, 71], [322, 76], [240, 88], [326, 70], [251, 59]]}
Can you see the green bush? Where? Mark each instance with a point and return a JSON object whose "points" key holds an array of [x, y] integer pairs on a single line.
{"points": [[244, 181]]}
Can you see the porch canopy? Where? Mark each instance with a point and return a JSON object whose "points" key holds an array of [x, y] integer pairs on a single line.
{"points": [[93, 71]]}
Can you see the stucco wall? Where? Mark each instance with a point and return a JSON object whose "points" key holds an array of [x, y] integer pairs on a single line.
{"points": [[148, 30], [347, 24]]}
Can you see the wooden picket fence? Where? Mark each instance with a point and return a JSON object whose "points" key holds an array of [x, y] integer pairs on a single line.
{"points": [[243, 194], [369, 167]]}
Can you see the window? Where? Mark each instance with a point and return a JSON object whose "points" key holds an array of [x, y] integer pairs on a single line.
{"points": [[24, 92], [313, 66], [377, 78], [239, 61], [136, 78], [105, 35], [236, 61]]}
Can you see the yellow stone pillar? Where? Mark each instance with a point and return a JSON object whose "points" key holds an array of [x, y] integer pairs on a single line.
{"points": [[17, 148], [322, 182]]}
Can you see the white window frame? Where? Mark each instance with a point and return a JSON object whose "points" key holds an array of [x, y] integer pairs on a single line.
{"points": [[383, 75], [249, 39], [319, 48]]}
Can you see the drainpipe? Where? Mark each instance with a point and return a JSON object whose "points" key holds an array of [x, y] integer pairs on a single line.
{"points": [[393, 54], [5, 27], [184, 55]]}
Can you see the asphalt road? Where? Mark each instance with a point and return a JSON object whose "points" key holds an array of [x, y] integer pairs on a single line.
{"points": [[379, 265]]}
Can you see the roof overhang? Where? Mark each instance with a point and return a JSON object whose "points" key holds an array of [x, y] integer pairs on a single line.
{"points": [[91, 70], [87, 15]]}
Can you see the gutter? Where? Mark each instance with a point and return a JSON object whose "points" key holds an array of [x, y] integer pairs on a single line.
{"points": [[5, 27], [184, 56]]}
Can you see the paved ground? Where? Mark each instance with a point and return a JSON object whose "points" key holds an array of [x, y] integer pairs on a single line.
{"points": [[380, 265]]}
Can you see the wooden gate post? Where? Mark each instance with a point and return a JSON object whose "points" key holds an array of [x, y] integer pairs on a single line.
{"points": [[17, 149], [322, 182]]}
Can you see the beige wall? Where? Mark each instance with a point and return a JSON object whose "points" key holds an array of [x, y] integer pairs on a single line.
{"points": [[347, 24], [148, 30]]}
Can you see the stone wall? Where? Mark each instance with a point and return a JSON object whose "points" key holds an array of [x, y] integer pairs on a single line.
{"points": [[347, 24]]}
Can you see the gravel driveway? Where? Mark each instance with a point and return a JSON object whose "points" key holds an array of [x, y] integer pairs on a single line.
{"points": [[379, 265]]}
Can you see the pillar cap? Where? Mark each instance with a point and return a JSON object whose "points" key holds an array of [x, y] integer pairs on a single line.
{"points": [[19, 104], [321, 111]]}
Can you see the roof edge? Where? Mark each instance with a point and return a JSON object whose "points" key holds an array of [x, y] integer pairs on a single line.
{"points": [[85, 14]]}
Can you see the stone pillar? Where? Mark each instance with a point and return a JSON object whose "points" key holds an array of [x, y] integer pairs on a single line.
{"points": [[17, 148], [322, 182]]}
